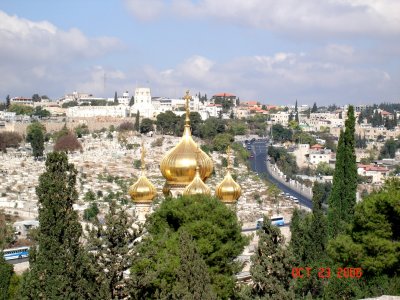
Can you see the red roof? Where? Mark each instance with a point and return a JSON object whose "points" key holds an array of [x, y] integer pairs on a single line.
{"points": [[250, 103], [373, 168], [316, 146], [385, 113], [224, 95]]}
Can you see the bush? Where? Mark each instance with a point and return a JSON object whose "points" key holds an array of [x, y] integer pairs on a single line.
{"points": [[9, 139], [158, 142], [137, 163], [126, 126], [82, 130], [67, 143], [91, 212]]}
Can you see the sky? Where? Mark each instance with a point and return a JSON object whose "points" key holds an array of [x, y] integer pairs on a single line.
{"points": [[274, 52]]}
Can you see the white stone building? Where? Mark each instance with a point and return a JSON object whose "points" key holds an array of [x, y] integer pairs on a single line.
{"points": [[97, 111], [280, 117]]}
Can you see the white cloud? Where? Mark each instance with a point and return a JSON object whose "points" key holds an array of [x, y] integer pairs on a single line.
{"points": [[282, 77], [349, 17], [38, 56], [146, 9]]}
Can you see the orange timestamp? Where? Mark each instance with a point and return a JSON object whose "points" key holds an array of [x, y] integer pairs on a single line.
{"points": [[326, 272]]}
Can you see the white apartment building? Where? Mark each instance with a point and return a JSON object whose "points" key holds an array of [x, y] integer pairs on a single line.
{"points": [[317, 156], [213, 110], [22, 101], [122, 100], [97, 111], [280, 117]]}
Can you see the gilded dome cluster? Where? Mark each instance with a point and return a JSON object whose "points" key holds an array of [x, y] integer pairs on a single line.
{"points": [[186, 168]]}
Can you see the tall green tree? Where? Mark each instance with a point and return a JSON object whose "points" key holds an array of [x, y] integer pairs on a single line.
{"points": [[373, 242], [146, 125], [318, 225], [8, 101], [35, 135], [6, 231], [350, 170], [272, 265], [343, 196], [58, 268], [6, 272], [216, 234], [132, 101], [115, 98], [111, 248], [314, 109], [137, 121]]}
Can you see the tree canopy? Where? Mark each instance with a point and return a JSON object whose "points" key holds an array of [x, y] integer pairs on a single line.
{"points": [[216, 236]]}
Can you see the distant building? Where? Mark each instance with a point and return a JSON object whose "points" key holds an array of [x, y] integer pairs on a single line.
{"points": [[318, 156], [218, 98], [281, 117], [97, 111], [22, 101], [376, 174]]}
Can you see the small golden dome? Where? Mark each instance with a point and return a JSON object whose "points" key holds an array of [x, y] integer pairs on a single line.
{"points": [[197, 186], [179, 165], [228, 190], [142, 190]]}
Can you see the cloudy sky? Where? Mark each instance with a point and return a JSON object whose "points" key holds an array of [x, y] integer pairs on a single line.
{"points": [[328, 51]]}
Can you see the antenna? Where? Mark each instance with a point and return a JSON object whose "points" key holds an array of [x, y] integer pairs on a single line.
{"points": [[104, 83]]}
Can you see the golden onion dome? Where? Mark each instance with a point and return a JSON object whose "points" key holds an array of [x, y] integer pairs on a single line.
{"points": [[197, 186], [228, 190], [142, 191], [179, 165]]}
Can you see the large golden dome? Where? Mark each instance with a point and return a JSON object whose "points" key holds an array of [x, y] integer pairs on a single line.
{"points": [[142, 191], [179, 165], [228, 190]]}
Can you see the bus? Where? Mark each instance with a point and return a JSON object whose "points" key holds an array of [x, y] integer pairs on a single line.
{"points": [[16, 253], [275, 220]]}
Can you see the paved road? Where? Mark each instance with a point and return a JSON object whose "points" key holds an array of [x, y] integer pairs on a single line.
{"points": [[258, 164], [17, 261]]}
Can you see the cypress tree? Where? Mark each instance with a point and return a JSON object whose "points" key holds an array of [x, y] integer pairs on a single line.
{"points": [[58, 266], [335, 198], [137, 121], [115, 98], [272, 265], [343, 195], [318, 229], [314, 108], [37, 142], [110, 249], [350, 169], [8, 101]]}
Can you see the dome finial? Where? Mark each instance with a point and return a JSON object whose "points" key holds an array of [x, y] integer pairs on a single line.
{"points": [[187, 97], [143, 165], [229, 163]]}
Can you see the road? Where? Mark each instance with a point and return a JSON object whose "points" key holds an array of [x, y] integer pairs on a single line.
{"points": [[258, 165], [17, 261]]}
